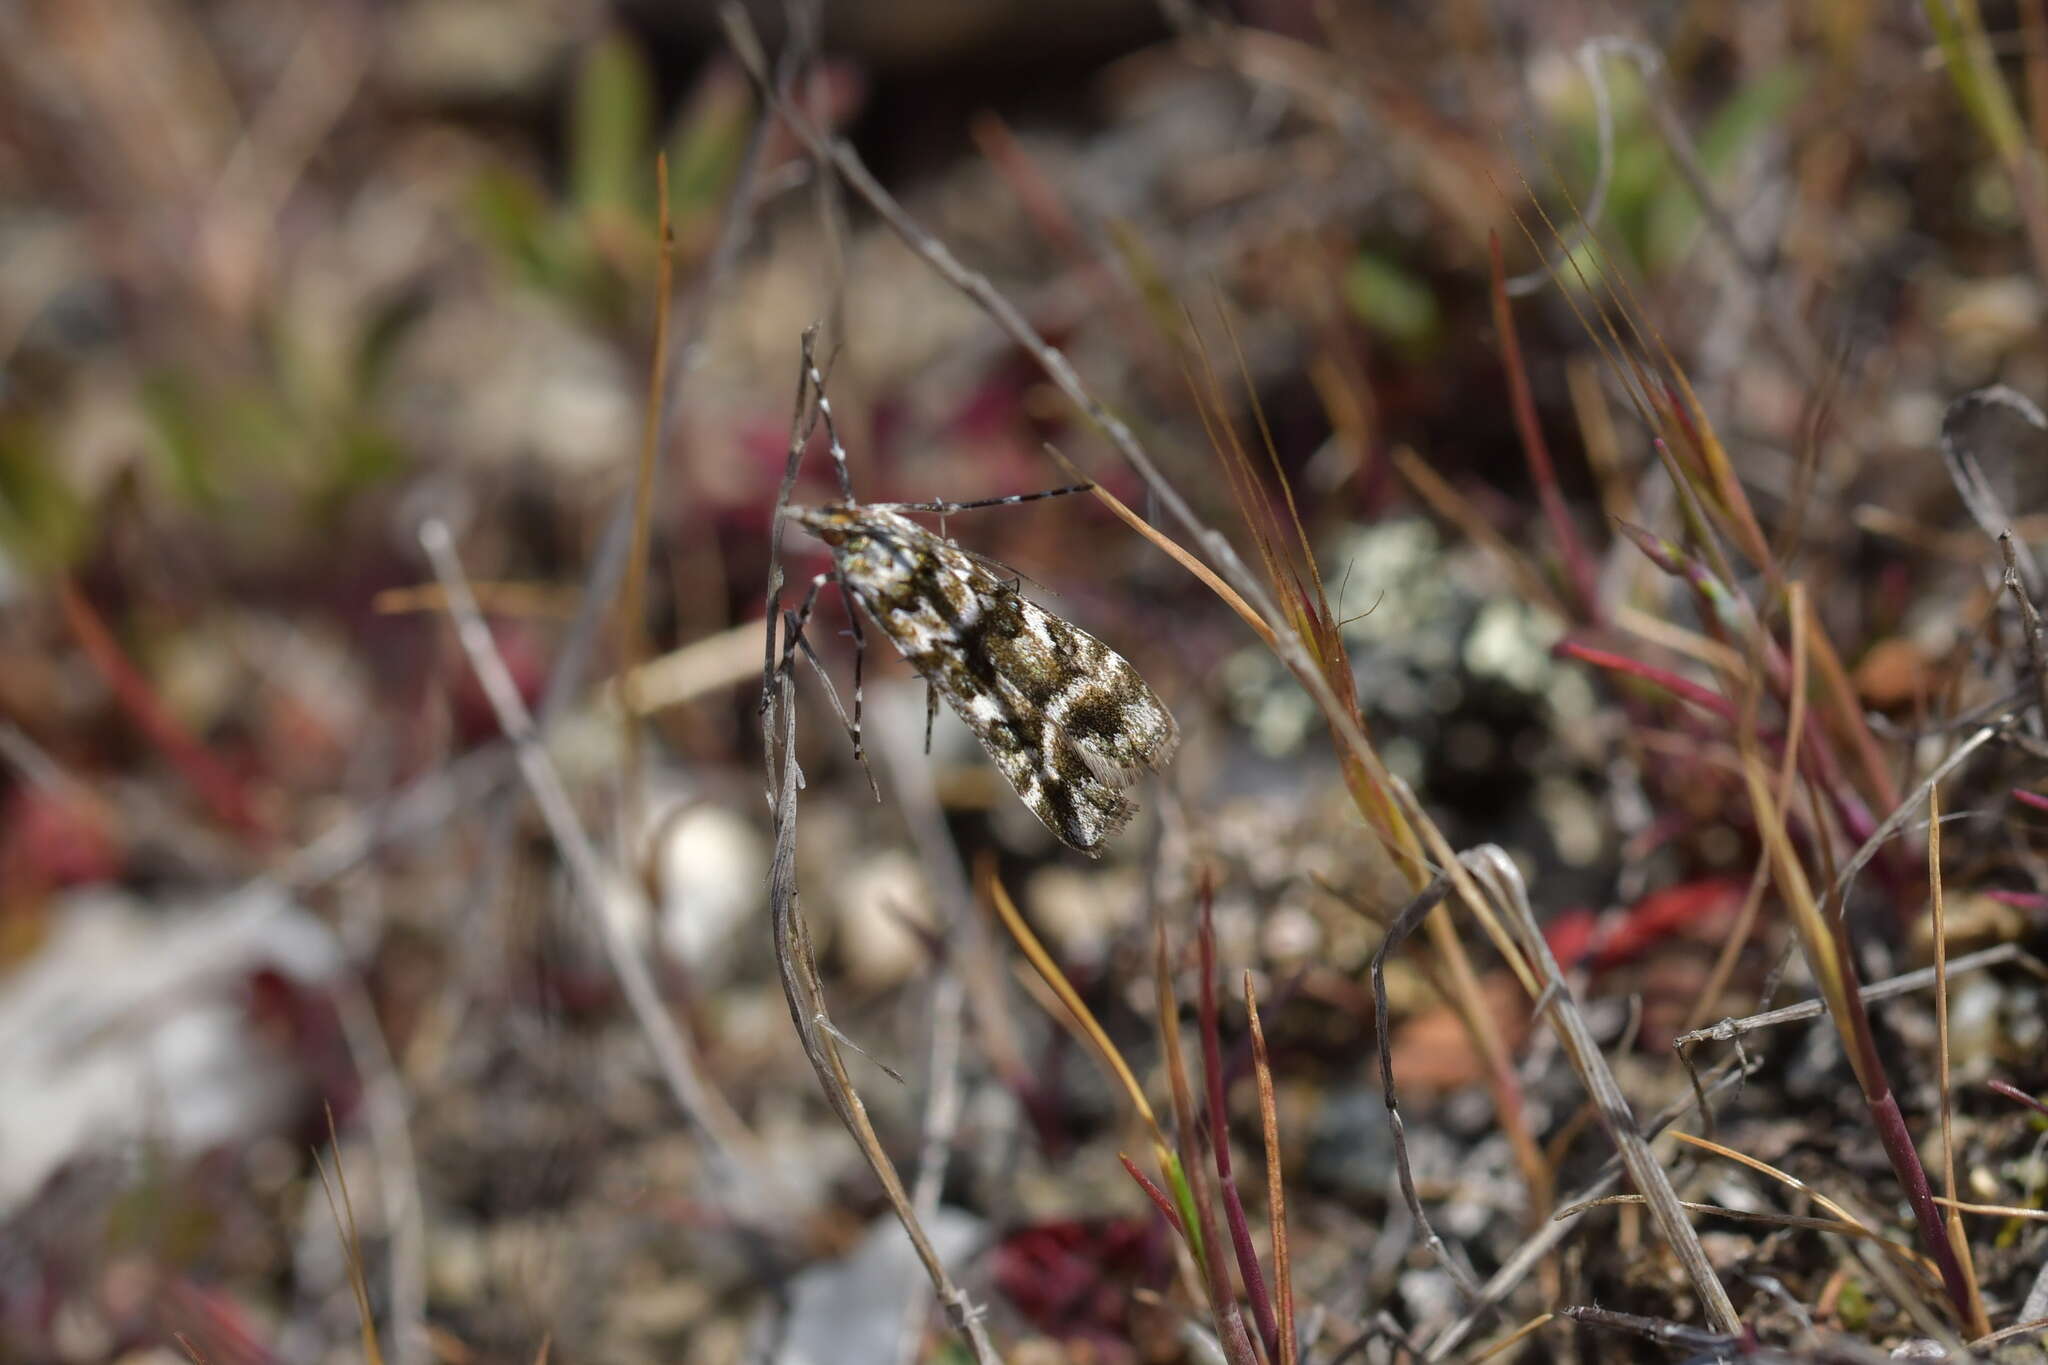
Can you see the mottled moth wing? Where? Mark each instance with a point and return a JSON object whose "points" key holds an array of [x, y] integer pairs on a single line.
{"points": [[1064, 718]]}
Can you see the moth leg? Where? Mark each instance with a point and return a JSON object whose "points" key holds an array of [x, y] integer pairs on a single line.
{"points": [[931, 713], [794, 622], [798, 641], [860, 654]]}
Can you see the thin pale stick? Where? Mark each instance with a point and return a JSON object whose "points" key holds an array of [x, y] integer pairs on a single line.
{"points": [[701, 1104], [1918, 980]]}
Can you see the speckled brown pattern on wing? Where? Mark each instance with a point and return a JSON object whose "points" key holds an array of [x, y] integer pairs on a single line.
{"points": [[1066, 719]]}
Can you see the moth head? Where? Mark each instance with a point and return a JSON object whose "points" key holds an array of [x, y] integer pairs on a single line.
{"points": [[833, 525]]}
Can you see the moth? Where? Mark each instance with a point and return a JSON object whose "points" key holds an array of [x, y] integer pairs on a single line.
{"points": [[1064, 718]]}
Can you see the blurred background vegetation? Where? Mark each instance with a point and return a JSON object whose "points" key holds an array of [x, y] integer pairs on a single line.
{"points": [[280, 281]]}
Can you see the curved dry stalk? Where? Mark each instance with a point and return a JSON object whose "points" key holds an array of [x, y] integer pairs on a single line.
{"points": [[1588, 217], [1404, 924], [805, 994]]}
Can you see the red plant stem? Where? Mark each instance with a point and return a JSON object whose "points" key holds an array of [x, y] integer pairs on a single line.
{"points": [[1578, 565], [1855, 816], [2013, 1092], [1682, 688], [1219, 1132], [1229, 1321], [1156, 1195], [208, 777], [1850, 808], [1896, 1138], [2027, 798], [1715, 600]]}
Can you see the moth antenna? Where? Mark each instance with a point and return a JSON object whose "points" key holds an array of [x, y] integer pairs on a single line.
{"points": [[944, 509], [837, 450]]}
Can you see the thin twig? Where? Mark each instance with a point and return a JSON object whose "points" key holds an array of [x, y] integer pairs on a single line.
{"points": [[1588, 217], [1901, 984], [1676, 1335], [700, 1103]]}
